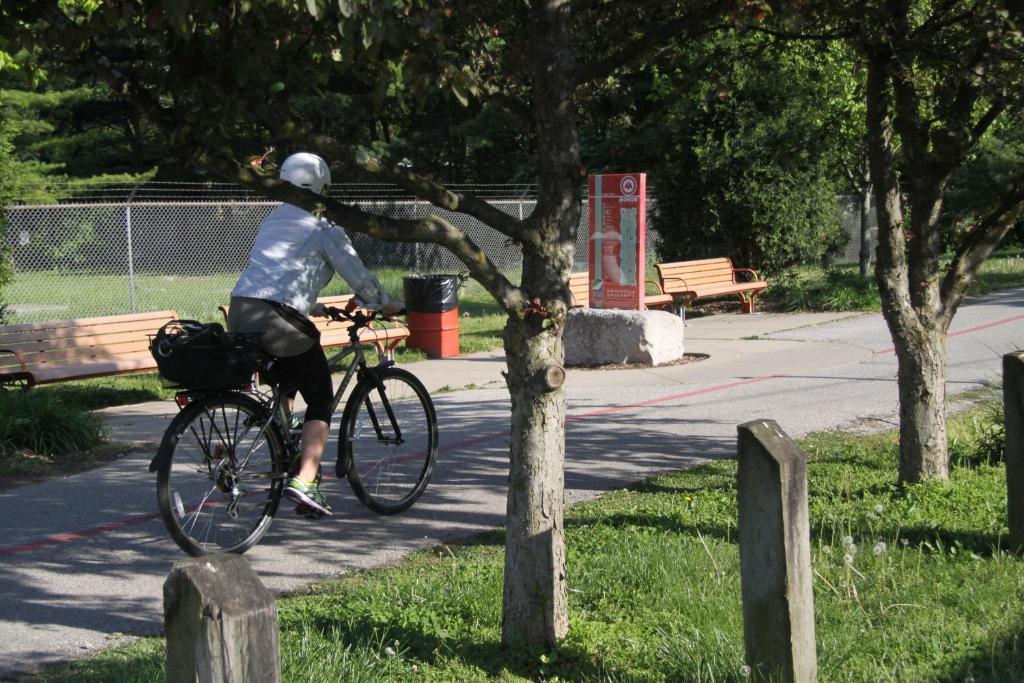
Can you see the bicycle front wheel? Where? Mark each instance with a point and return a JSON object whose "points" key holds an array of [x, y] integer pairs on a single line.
{"points": [[220, 487], [388, 440]]}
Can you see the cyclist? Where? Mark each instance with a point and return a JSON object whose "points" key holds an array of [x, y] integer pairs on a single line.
{"points": [[295, 255]]}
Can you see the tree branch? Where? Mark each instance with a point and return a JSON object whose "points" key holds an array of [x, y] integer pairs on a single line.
{"points": [[432, 228], [907, 119], [987, 119], [690, 25], [799, 35], [439, 196], [975, 247]]}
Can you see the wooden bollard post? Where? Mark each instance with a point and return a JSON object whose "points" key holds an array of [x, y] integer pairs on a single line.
{"points": [[1013, 409], [221, 622], [775, 555]]}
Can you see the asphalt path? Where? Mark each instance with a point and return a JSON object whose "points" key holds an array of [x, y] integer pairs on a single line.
{"points": [[84, 558]]}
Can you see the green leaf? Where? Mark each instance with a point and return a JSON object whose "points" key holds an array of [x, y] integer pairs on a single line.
{"points": [[314, 8], [275, 88], [461, 93], [347, 8]]}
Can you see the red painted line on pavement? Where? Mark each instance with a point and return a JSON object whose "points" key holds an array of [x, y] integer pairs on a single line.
{"points": [[673, 397], [968, 330], [77, 535], [141, 519], [615, 409]]}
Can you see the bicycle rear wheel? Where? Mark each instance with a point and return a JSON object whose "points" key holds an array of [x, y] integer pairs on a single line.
{"points": [[222, 482], [387, 440]]}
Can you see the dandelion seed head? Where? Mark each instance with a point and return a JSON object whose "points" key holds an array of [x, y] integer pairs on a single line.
{"points": [[847, 540], [879, 508], [827, 549], [880, 548], [848, 558], [745, 671], [851, 549]]}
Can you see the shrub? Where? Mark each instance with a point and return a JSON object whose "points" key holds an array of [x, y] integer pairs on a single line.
{"points": [[44, 424], [982, 440], [748, 168]]}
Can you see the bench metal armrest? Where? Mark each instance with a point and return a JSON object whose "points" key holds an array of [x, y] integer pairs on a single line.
{"points": [[753, 273], [674, 278], [661, 290], [21, 361], [23, 377]]}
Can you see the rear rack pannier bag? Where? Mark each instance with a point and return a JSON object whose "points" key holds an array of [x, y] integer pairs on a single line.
{"points": [[202, 356]]}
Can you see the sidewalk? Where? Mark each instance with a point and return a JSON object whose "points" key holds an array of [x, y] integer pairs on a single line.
{"points": [[88, 573], [727, 340]]}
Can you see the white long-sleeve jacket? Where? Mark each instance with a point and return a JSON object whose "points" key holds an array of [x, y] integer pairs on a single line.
{"points": [[294, 257]]}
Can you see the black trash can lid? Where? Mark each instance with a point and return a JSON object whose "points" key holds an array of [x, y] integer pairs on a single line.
{"points": [[431, 293]]}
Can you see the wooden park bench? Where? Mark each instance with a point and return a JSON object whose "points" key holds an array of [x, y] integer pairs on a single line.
{"points": [[334, 333], [687, 281], [56, 350], [579, 289]]}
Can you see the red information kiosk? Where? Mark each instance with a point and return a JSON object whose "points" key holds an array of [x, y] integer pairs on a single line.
{"points": [[618, 227]]}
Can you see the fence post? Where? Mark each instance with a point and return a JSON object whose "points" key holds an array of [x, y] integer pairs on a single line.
{"points": [[131, 255], [775, 554], [221, 622], [1013, 409]]}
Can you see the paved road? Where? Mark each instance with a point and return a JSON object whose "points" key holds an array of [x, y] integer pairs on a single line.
{"points": [[84, 558]]}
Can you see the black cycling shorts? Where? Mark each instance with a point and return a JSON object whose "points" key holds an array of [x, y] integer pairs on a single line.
{"points": [[309, 374]]}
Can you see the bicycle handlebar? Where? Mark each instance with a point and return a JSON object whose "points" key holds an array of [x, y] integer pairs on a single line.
{"points": [[358, 317]]}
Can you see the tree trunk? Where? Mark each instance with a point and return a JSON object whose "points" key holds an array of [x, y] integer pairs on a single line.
{"points": [[535, 611], [865, 231], [535, 599], [922, 389], [907, 276]]}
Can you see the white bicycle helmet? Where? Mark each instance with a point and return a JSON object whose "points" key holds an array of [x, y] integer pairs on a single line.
{"points": [[307, 170]]}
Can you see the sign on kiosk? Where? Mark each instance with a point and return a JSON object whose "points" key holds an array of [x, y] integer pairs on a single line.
{"points": [[618, 226]]}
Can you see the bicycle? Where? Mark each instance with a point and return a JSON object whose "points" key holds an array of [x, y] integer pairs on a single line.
{"points": [[223, 462]]}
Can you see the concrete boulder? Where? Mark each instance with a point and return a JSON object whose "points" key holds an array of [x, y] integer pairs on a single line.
{"points": [[601, 336]]}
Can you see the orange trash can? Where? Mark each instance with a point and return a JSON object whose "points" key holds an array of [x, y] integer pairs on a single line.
{"points": [[435, 333]]}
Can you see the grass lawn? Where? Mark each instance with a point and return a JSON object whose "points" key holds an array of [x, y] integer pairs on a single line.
{"points": [[908, 585], [481, 321], [480, 326], [841, 289]]}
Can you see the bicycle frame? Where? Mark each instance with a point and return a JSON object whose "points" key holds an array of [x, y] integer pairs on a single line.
{"points": [[277, 409], [280, 414]]}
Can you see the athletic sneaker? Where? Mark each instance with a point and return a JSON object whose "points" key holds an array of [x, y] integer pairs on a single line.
{"points": [[301, 492], [303, 510]]}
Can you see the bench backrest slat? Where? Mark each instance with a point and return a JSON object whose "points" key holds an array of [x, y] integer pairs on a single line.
{"points": [[56, 358], [695, 273], [89, 337], [56, 343], [50, 354], [77, 323], [579, 288]]}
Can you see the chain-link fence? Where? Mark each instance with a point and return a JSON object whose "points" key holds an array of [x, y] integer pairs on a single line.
{"points": [[111, 249], [118, 249], [849, 220]]}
